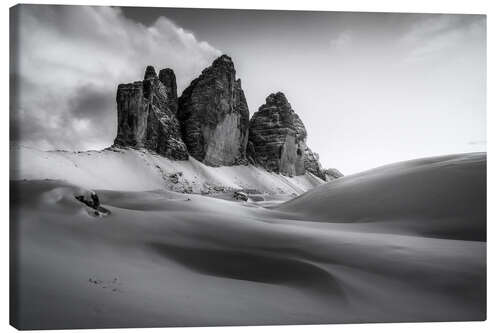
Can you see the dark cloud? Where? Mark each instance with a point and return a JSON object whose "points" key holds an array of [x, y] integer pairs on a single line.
{"points": [[90, 102], [68, 60]]}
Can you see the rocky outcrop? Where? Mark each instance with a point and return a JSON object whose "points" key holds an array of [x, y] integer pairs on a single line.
{"points": [[91, 200], [146, 118], [312, 164], [210, 121], [214, 116], [332, 174], [277, 139]]}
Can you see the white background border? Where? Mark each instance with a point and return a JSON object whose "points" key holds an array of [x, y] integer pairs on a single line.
{"points": [[491, 8]]}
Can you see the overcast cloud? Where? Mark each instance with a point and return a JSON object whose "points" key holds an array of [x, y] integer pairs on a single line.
{"points": [[69, 62]]}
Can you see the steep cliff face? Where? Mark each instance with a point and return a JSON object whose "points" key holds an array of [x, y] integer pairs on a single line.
{"points": [[210, 122], [167, 77], [145, 119], [277, 139], [214, 116]]}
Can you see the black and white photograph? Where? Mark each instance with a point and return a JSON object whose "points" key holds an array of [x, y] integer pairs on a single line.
{"points": [[174, 167]]}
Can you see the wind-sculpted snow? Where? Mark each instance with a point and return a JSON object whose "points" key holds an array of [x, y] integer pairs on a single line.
{"points": [[441, 197], [162, 258]]}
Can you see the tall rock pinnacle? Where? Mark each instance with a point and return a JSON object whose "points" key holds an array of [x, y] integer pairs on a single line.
{"points": [[214, 115], [145, 117], [277, 139], [167, 77], [210, 122]]}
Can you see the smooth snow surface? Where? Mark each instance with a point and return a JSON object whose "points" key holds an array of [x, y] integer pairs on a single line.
{"points": [[347, 251], [440, 196]]}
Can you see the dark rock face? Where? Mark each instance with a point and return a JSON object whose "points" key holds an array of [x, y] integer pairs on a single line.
{"points": [[240, 196], [145, 117], [91, 200], [277, 139], [167, 77], [210, 122], [214, 116]]}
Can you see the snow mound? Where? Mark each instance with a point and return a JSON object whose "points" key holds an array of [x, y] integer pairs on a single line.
{"points": [[440, 196]]}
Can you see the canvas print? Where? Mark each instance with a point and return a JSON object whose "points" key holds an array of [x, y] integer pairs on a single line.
{"points": [[212, 167]]}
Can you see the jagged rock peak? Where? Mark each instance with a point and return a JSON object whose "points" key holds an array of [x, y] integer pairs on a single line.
{"points": [[214, 115], [150, 73], [277, 139], [279, 109], [223, 60], [145, 119], [167, 77], [277, 98], [223, 64]]}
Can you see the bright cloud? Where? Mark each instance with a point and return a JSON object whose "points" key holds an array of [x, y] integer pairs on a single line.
{"points": [[68, 61]]}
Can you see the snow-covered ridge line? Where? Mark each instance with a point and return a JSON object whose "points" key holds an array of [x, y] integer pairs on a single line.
{"points": [[141, 170]]}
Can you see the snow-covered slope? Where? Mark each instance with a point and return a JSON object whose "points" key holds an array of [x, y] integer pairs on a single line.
{"points": [[405, 242], [172, 259], [140, 170], [441, 196]]}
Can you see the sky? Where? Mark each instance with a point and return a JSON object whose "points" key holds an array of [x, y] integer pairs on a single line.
{"points": [[371, 88]]}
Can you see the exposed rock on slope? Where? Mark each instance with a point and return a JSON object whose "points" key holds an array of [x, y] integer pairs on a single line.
{"points": [[332, 174], [214, 115], [277, 139], [145, 117], [123, 169]]}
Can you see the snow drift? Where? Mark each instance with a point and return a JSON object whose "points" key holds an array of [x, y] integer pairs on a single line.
{"points": [[439, 196]]}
